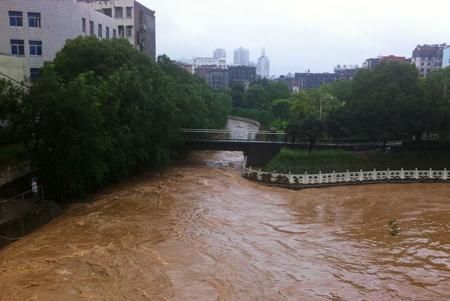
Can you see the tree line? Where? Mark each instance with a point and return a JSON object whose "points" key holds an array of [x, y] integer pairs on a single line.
{"points": [[102, 111], [390, 101]]}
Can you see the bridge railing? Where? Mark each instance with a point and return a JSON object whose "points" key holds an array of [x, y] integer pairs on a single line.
{"points": [[227, 135], [348, 177], [208, 135]]}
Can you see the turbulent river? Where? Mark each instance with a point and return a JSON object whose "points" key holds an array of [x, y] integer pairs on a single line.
{"points": [[201, 232]]}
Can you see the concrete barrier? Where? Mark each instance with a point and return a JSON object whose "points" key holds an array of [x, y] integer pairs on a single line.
{"points": [[243, 119], [11, 173]]}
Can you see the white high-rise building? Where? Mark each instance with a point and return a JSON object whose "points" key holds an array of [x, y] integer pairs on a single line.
{"points": [[32, 32], [263, 67], [136, 23], [241, 57], [220, 53]]}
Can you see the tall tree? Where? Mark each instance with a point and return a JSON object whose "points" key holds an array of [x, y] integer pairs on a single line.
{"points": [[386, 101]]}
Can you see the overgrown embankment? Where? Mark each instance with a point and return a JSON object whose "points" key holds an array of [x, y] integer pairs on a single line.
{"points": [[300, 161]]}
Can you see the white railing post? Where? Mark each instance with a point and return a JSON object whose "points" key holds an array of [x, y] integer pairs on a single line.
{"points": [[416, 174], [445, 175], [402, 174], [347, 176], [291, 178], [320, 177], [388, 174], [374, 177], [430, 174], [334, 176], [361, 176], [305, 178]]}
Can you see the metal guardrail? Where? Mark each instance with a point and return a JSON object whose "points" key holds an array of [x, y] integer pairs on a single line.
{"points": [[20, 203], [204, 135]]}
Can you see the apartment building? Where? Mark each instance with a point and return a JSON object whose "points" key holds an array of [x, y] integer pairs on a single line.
{"points": [[241, 57], [446, 57], [34, 31], [309, 80], [135, 22], [427, 58], [242, 74], [263, 66], [199, 62]]}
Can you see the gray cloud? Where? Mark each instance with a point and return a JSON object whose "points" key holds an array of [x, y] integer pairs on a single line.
{"points": [[300, 34]]}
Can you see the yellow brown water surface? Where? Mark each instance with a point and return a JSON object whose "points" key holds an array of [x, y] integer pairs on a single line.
{"points": [[201, 232]]}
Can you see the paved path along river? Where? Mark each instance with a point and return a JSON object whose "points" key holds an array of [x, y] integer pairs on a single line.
{"points": [[201, 232]]}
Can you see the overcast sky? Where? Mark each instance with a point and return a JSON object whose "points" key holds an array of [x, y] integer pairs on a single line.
{"points": [[299, 34]]}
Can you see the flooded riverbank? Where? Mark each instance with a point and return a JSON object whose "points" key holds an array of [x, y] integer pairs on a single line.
{"points": [[201, 232]]}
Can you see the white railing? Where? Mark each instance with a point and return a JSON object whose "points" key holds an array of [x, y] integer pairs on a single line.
{"points": [[349, 177]]}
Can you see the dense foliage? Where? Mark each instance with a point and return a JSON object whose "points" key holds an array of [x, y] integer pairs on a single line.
{"points": [[258, 100], [389, 102], [10, 96], [103, 110], [327, 161]]}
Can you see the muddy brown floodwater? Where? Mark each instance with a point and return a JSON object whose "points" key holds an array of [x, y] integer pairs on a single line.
{"points": [[201, 232]]}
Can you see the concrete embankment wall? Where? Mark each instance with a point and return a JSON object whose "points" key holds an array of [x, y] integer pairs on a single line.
{"points": [[251, 121], [12, 173]]}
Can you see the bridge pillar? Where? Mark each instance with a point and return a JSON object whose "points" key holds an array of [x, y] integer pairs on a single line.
{"points": [[260, 154]]}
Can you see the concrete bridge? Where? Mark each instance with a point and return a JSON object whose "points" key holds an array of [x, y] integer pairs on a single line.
{"points": [[261, 146]]}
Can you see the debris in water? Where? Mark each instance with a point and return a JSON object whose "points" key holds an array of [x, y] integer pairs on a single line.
{"points": [[394, 228]]}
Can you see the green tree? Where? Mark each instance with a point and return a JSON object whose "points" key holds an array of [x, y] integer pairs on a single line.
{"points": [[256, 97], [437, 103], [277, 90], [387, 102], [238, 94], [89, 122]]}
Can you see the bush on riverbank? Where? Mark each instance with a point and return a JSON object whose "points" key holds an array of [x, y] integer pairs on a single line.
{"points": [[327, 161]]}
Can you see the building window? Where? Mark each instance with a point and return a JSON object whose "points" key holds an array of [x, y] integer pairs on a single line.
{"points": [[83, 25], [91, 28], [129, 31], [107, 11], [35, 74], [17, 47], [35, 47], [129, 12], [118, 12], [34, 19], [100, 31], [121, 33], [114, 34], [107, 32], [15, 18]]}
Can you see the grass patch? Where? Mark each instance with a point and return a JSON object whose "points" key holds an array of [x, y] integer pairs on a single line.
{"points": [[11, 154], [327, 161]]}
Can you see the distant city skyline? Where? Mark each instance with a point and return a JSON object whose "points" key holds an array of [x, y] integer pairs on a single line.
{"points": [[299, 35]]}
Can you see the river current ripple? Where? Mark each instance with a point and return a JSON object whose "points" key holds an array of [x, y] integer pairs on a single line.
{"points": [[201, 232]]}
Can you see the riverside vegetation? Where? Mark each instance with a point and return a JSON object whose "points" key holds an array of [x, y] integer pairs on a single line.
{"points": [[388, 102], [102, 111], [327, 161]]}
